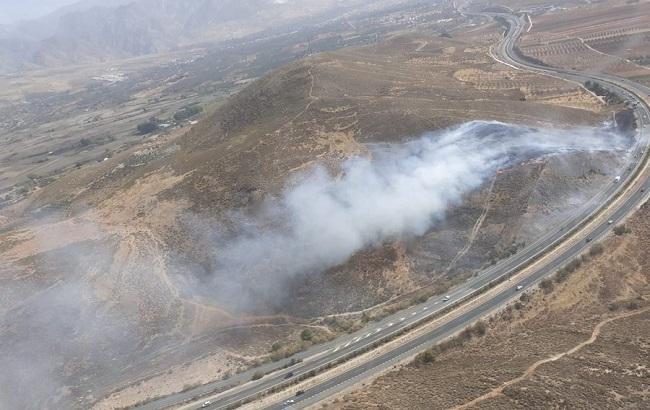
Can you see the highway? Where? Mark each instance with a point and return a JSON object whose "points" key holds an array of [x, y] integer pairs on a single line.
{"points": [[239, 388]]}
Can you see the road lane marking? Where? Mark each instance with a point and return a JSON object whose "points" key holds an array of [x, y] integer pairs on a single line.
{"points": [[502, 62]]}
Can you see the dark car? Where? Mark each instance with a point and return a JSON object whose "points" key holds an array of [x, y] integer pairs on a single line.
{"points": [[300, 392], [290, 374]]}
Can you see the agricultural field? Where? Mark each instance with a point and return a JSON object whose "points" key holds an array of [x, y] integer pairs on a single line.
{"points": [[609, 37]]}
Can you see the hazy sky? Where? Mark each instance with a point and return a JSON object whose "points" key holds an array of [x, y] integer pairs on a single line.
{"points": [[15, 10]]}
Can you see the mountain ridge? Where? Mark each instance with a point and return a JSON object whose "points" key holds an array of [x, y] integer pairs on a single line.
{"points": [[90, 32]]}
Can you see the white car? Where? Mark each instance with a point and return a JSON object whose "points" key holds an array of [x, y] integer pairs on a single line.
{"points": [[610, 222], [446, 298], [206, 404], [289, 402], [520, 287]]}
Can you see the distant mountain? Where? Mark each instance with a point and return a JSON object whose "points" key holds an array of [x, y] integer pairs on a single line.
{"points": [[12, 11], [95, 30]]}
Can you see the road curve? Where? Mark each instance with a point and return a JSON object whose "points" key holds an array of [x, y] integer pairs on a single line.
{"points": [[320, 356]]}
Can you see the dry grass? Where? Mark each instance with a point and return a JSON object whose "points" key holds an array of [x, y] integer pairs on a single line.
{"points": [[580, 346]]}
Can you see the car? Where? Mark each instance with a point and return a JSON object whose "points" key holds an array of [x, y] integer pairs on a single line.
{"points": [[520, 287], [610, 222], [289, 402], [588, 240], [446, 298], [288, 375], [300, 392], [206, 404]]}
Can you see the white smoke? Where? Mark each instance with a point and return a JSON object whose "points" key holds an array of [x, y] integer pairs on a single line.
{"points": [[400, 192], [59, 339]]}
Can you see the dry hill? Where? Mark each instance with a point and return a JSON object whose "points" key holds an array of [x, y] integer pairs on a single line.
{"points": [[582, 343], [114, 251]]}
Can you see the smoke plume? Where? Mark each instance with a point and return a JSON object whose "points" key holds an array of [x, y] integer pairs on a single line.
{"points": [[62, 345], [399, 192]]}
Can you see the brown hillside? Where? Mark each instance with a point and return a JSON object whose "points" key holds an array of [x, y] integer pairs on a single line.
{"points": [[582, 345], [136, 223]]}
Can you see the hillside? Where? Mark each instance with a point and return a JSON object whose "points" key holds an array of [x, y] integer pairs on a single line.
{"points": [[136, 280], [580, 344]]}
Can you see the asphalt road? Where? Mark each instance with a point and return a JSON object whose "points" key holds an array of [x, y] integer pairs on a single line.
{"points": [[320, 355]]}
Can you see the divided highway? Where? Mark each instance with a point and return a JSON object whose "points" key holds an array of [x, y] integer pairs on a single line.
{"points": [[319, 356]]}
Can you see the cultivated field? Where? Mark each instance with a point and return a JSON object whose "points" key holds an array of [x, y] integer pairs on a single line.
{"points": [[609, 37]]}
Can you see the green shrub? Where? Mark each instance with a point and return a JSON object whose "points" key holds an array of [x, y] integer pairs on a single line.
{"points": [[187, 112], [480, 328], [596, 249], [546, 285], [621, 230], [428, 357], [190, 386], [422, 298], [306, 335], [466, 334], [147, 127]]}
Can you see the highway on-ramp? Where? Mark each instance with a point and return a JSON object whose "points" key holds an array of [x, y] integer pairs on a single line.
{"points": [[241, 389]]}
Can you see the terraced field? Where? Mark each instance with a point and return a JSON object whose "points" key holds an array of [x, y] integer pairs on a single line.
{"points": [[610, 37]]}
